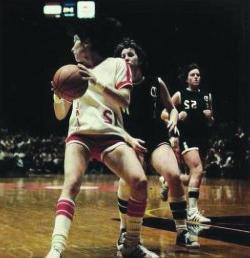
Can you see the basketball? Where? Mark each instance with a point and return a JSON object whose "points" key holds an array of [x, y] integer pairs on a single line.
{"points": [[68, 83]]}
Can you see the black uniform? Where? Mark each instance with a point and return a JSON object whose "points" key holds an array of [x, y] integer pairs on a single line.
{"points": [[194, 129], [142, 118]]}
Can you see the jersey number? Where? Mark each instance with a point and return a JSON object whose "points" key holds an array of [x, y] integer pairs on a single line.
{"points": [[109, 117], [190, 104]]}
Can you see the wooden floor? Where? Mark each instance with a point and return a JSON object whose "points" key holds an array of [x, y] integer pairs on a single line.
{"points": [[27, 217]]}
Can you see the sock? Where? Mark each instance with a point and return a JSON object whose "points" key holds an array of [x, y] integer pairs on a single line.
{"points": [[135, 213], [123, 196], [193, 196], [64, 215], [178, 206], [122, 206]]}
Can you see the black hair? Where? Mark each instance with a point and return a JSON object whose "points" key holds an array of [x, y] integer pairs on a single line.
{"points": [[184, 72], [103, 33], [131, 43]]}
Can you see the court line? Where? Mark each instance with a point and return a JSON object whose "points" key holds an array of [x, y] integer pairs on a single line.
{"points": [[58, 187], [149, 213]]}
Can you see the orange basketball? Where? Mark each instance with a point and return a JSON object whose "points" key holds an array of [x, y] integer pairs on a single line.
{"points": [[68, 83]]}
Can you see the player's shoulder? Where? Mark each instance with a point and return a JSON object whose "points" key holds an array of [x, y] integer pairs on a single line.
{"points": [[115, 60]]}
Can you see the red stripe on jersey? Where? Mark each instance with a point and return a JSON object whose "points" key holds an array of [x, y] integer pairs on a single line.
{"points": [[127, 81]]}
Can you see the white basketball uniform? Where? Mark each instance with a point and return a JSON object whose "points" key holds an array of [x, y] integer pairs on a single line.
{"points": [[92, 113]]}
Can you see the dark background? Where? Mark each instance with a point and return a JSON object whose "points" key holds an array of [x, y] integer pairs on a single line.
{"points": [[213, 33]]}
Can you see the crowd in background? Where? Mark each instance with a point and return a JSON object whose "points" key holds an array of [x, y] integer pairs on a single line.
{"points": [[22, 154]]}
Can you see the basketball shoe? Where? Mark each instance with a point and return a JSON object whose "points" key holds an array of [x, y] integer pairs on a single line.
{"points": [[121, 239], [138, 251], [185, 239], [163, 189], [196, 229], [195, 215]]}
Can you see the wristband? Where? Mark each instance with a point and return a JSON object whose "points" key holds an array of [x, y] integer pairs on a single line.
{"points": [[57, 100]]}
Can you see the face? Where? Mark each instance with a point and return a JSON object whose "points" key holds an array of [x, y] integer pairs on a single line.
{"points": [[130, 57], [81, 51], [194, 78]]}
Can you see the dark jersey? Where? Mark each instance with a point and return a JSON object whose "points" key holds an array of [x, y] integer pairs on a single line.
{"points": [[193, 102], [142, 118]]}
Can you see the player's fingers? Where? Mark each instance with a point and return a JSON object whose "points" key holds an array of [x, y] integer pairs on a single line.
{"points": [[141, 141], [169, 124], [141, 148], [176, 131], [82, 67], [84, 78]]}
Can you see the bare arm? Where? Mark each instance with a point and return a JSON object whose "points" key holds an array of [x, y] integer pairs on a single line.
{"points": [[176, 98], [61, 107], [168, 104], [120, 96], [209, 111], [135, 143]]}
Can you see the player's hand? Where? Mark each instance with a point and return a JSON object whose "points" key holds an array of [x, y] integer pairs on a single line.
{"points": [[86, 73], [174, 141], [208, 113], [183, 115], [137, 145]]}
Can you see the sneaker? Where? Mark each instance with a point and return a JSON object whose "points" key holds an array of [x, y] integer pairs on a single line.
{"points": [[185, 239], [121, 239], [196, 229], [163, 189], [196, 216], [53, 253], [138, 251]]}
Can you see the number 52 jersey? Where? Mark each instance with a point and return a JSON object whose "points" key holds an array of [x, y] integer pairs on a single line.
{"points": [[193, 103]]}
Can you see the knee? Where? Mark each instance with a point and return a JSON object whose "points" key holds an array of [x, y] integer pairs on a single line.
{"points": [[139, 185], [123, 190], [173, 178], [197, 169]]}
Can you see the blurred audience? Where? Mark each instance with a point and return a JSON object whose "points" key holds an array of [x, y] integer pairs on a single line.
{"points": [[22, 154]]}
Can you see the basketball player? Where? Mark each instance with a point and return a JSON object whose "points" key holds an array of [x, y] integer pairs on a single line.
{"points": [[142, 120], [95, 132], [195, 115]]}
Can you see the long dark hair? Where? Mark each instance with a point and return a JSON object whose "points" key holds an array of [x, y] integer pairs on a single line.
{"points": [[184, 72], [131, 43]]}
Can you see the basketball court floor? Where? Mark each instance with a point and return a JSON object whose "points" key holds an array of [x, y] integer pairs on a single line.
{"points": [[27, 208]]}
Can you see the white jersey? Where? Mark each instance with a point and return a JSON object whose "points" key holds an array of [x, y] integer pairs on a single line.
{"points": [[92, 113]]}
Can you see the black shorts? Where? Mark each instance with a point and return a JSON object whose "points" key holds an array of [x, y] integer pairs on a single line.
{"points": [[193, 143]]}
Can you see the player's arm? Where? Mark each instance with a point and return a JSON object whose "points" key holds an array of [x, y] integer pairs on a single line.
{"points": [[135, 143], [61, 107], [208, 112], [168, 104], [120, 95], [176, 98]]}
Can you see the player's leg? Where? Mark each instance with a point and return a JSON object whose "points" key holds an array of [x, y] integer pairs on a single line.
{"points": [[124, 162], [164, 162], [174, 142], [75, 164], [193, 161], [123, 195]]}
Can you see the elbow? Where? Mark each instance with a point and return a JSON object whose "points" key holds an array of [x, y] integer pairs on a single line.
{"points": [[125, 101], [59, 117]]}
